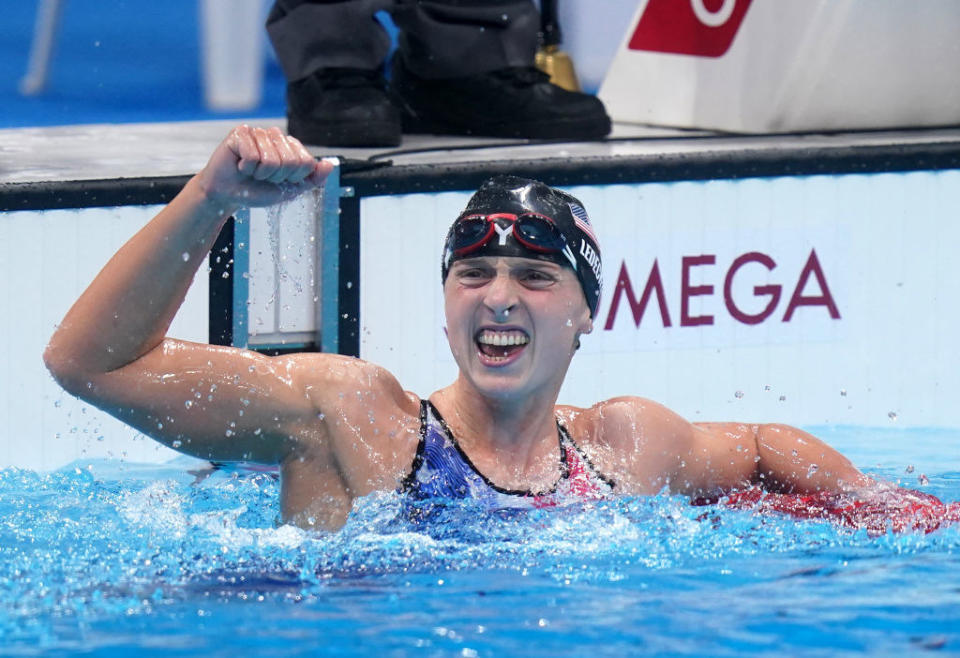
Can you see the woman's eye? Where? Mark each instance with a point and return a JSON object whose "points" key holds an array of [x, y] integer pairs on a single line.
{"points": [[472, 274], [536, 277]]}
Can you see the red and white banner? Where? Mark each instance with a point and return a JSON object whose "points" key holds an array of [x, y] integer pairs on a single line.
{"points": [[705, 28]]}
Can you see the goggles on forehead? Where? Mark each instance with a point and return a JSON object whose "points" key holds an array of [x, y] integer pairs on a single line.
{"points": [[532, 230]]}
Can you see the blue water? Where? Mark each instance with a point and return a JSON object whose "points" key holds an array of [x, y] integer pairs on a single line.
{"points": [[107, 558]]}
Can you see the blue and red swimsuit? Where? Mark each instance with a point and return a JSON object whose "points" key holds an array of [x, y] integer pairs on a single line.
{"points": [[442, 470]]}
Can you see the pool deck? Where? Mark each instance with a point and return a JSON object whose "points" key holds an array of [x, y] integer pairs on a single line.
{"points": [[117, 151]]}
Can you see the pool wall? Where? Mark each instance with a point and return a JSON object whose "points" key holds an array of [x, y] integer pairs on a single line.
{"points": [[805, 299], [47, 258], [801, 279]]}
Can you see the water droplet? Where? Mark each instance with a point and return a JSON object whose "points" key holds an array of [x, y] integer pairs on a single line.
{"points": [[188, 403], [569, 322], [909, 469], [185, 256], [923, 480], [813, 469], [225, 275], [738, 394], [349, 285], [783, 398], [794, 452], [843, 392], [892, 416], [177, 443], [311, 520], [766, 387]]}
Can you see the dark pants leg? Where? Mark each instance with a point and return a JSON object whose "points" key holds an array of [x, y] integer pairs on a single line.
{"points": [[309, 35], [439, 38], [457, 38]]}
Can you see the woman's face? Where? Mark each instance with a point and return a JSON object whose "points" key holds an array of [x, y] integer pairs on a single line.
{"points": [[513, 323]]}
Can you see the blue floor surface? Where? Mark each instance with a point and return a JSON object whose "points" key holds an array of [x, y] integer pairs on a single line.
{"points": [[116, 61]]}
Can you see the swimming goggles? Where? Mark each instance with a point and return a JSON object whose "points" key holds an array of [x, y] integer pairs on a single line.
{"points": [[534, 231]]}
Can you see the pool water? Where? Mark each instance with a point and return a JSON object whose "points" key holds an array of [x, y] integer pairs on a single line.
{"points": [[108, 558]]}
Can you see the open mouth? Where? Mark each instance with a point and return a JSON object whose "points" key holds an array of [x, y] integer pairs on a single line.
{"points": [[500, 346]]}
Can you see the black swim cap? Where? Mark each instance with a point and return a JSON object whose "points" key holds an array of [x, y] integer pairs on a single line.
{"points": [[515, 195]]}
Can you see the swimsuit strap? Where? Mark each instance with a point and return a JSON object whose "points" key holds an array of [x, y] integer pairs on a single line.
{"points": [[577, 455], [442, 469]]}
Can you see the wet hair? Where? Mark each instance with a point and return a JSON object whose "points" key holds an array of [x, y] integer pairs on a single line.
{"points": [[512, 194]]}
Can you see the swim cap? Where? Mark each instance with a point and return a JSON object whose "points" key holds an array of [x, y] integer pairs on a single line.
{"points": [[515, 195]]}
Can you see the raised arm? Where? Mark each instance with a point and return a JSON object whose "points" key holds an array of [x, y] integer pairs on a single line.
{"points": [[111, 350]]}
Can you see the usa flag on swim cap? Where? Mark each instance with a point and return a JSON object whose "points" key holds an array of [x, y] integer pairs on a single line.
{"points": [[582, 222]]}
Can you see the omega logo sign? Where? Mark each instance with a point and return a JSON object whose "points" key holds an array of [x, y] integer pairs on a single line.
{"points": [[648, 300]]}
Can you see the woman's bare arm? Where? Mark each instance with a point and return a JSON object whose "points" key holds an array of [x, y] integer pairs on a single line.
{"points": [[111, 349], [778, 457], [655, 447]]}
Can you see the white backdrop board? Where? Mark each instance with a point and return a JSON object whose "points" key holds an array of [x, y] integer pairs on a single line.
{"points": [[773, 66], [807, 300], [47, 258]]}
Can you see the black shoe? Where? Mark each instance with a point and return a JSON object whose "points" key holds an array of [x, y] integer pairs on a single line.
{"points": [[511, 102], [342, 107]]}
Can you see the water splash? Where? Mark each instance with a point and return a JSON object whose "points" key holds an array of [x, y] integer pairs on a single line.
{"points": [[89, 544]]}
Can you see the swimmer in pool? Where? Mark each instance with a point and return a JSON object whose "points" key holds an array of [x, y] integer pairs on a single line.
{"points": [[521, 281]]}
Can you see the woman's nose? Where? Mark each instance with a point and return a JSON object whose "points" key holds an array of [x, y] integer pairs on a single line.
{"points": [[501, 296]]}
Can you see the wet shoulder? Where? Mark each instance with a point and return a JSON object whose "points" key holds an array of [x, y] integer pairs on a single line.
{"points": [[636, 441], [611, 422], [363, 420], [344, 381]]}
